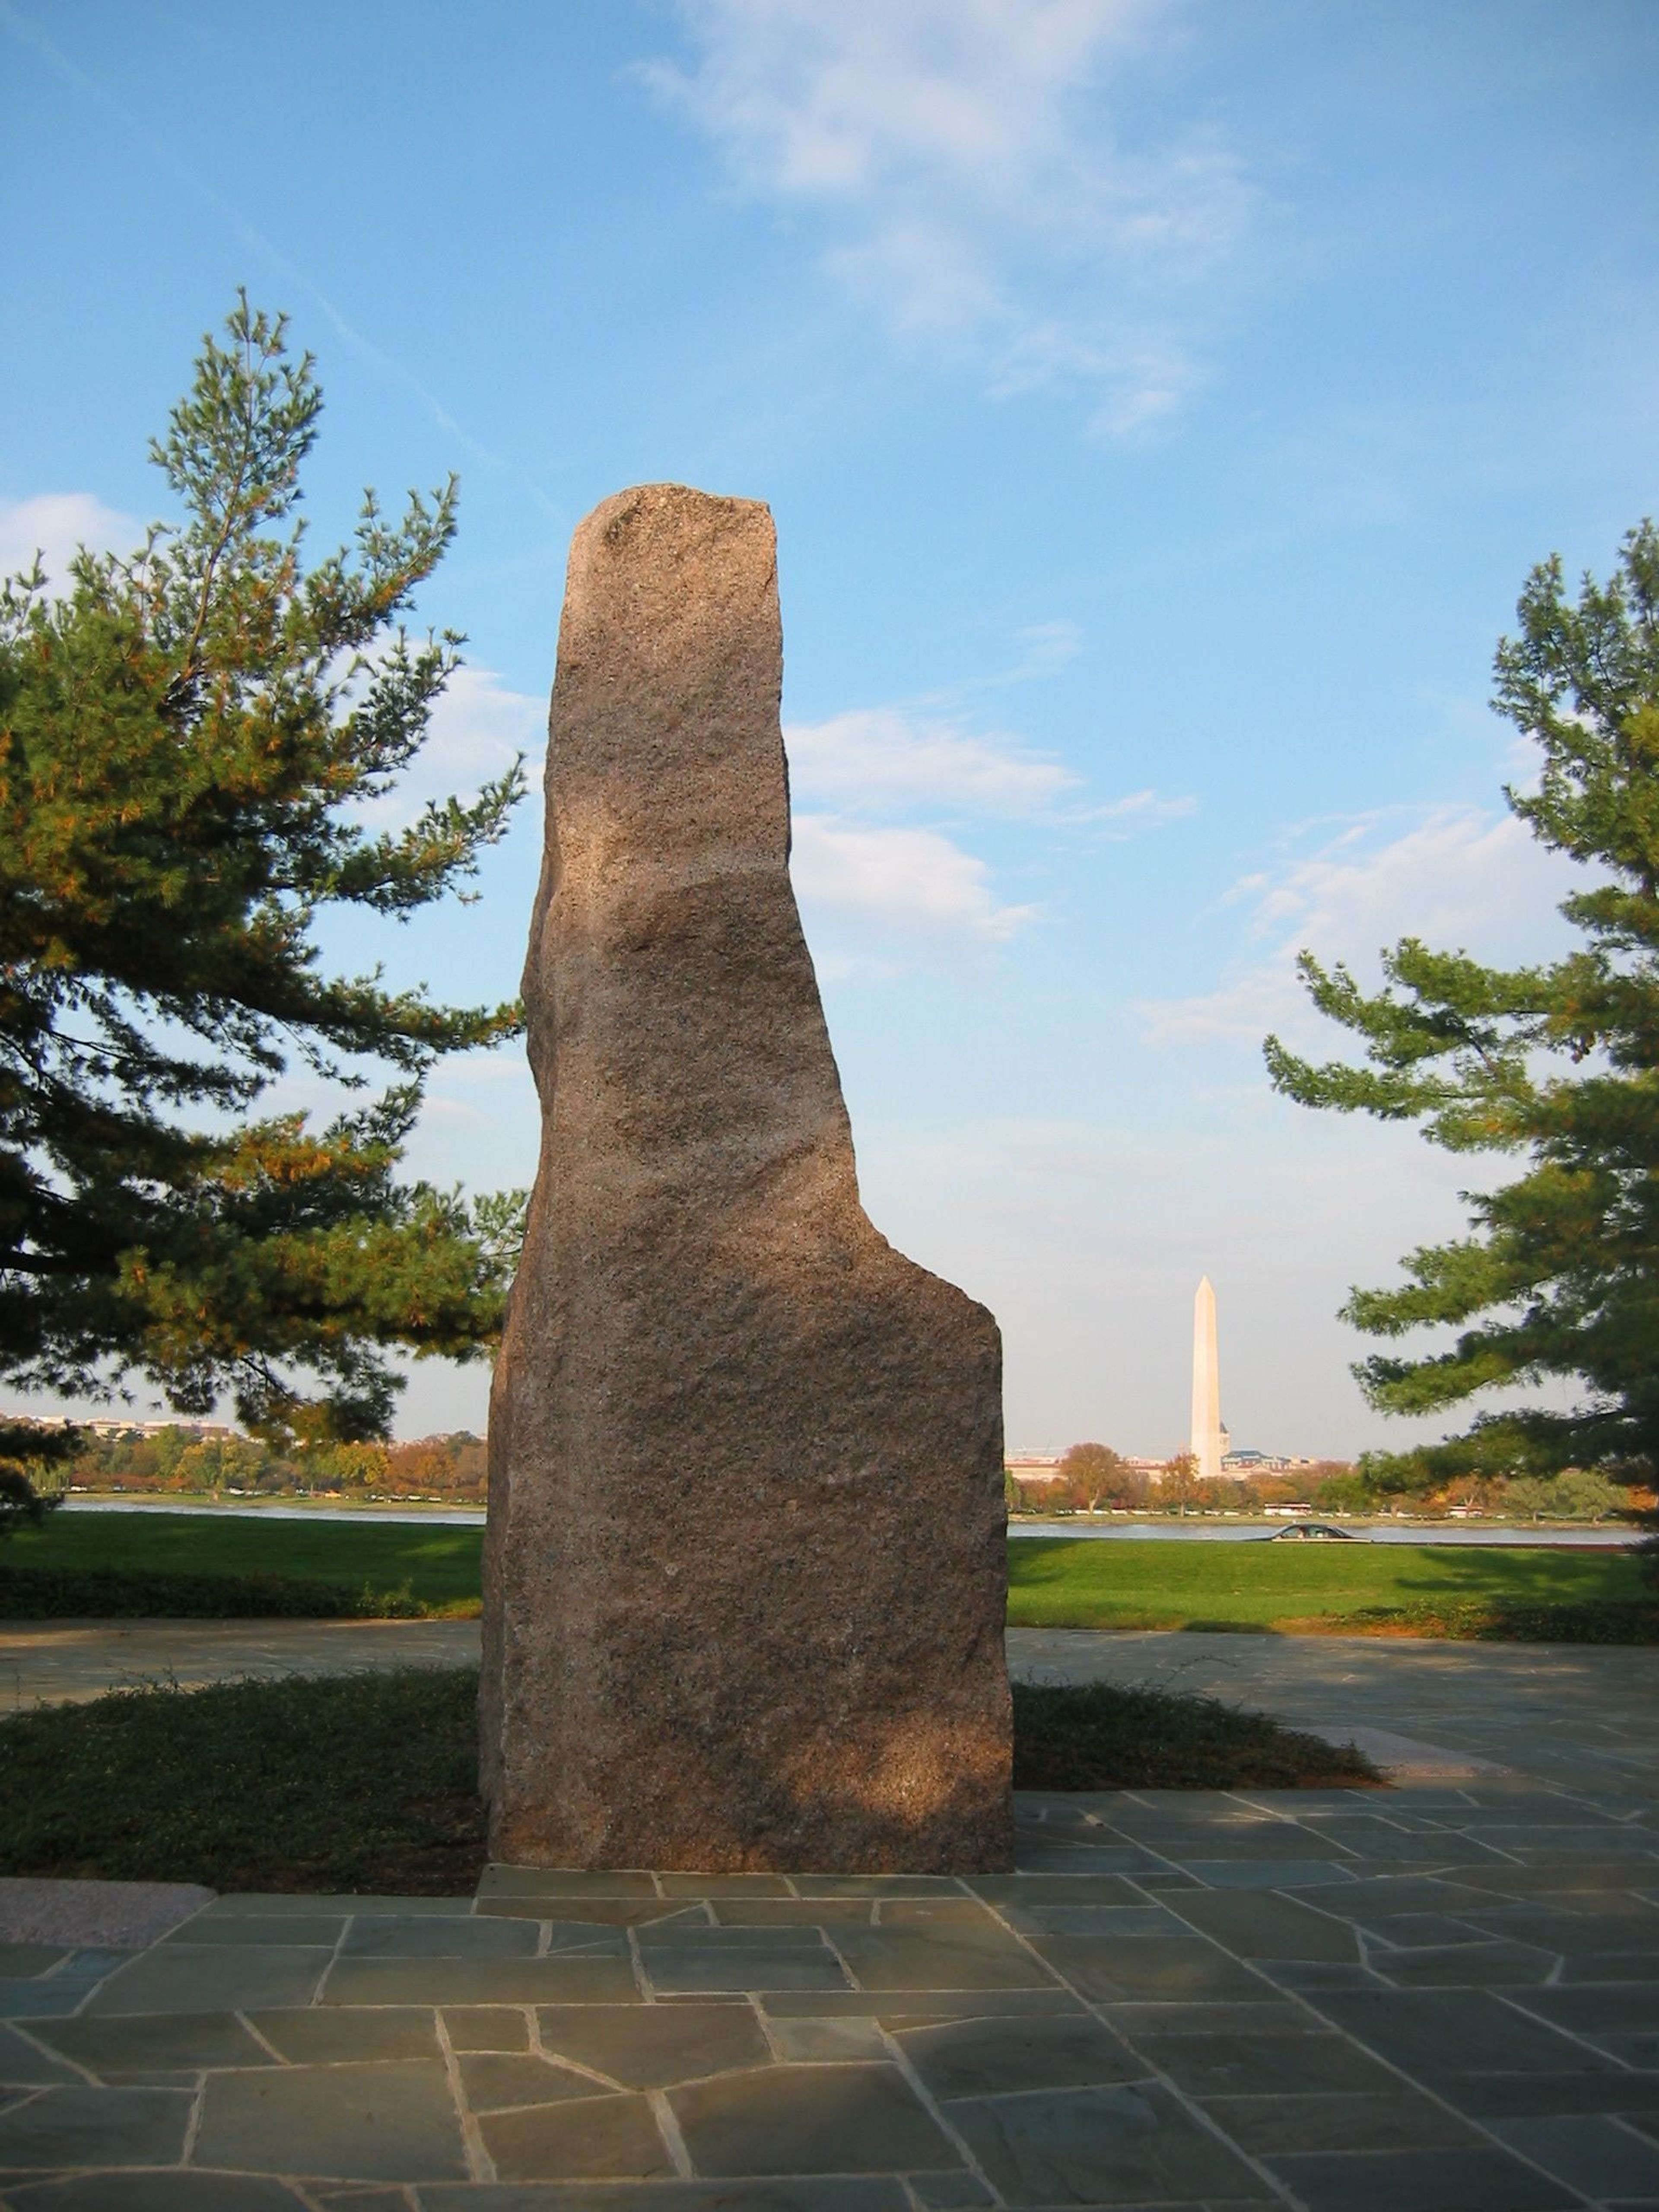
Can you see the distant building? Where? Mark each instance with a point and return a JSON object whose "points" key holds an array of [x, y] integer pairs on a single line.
{"points": [[1032, 1466]]}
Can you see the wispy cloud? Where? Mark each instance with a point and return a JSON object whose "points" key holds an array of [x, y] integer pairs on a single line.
{"points": [[883, 896], [1456, 877], [56, 524], [976, 186], [873, 759]]}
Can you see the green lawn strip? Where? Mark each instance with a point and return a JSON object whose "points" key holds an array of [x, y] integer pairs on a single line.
{"points": [[1424, 1590], [367, 1783], [112, 1593], [422, 1570]]}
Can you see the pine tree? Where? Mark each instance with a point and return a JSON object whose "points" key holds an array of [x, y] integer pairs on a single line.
{"points": [[186, 737], [1558, 1063]]}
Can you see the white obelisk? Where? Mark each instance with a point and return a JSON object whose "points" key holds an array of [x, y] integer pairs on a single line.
{"points": [[1207, 1444]]}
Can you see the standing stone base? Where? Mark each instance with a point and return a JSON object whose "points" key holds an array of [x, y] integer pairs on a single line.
{"points": [[744, 1572]]}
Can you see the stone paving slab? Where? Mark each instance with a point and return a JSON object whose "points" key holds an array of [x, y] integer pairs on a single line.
{"points": [[1471, 2023]]}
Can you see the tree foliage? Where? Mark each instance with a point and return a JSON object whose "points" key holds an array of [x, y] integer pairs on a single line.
{"points": [[1559, 1064], [188, 738]]}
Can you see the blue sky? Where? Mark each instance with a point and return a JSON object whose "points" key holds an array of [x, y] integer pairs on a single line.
{"points": [[1161, 403]]}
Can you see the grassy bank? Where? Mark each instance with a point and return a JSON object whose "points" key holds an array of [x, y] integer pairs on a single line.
{"points": [[171, 1562], [367, 1782]]}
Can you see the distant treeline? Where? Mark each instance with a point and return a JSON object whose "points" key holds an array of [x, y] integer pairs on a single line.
{"points": [[1093, 1478], [183, 1459]]}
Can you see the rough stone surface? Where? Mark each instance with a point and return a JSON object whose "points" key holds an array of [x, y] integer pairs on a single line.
{"points": [[744, 1574]]}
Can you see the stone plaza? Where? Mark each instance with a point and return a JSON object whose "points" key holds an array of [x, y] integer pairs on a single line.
{"points": [[1443, 1995]]}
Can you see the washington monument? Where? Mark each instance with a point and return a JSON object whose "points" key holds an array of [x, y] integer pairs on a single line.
{"points": [[1209, 1438]]}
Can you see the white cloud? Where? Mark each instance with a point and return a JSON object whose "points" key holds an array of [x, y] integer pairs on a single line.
{"points": [[881, 757], [891, 895], [1458, 877], [974, 183], [56, 524]]}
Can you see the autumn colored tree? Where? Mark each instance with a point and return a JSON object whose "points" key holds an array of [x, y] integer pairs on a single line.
{"points": [[1094, 1475], [187, 738]]}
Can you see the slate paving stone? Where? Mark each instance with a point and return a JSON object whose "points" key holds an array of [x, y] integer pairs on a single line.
{"points": [[1590, 2153], [1422, 1931], [876, 1885], [80, 2127], [1173, 1967], [1274, 2015], [685, 1935], [1314, 1974], [481, 1981], [158, 2192], [198, 1978], [307, 1927], [1429, 2033], [1125, 2146], [486, 2028], [117, 2049], [23, 1960], [845, 2193], [650, 2047], [452, 1939], [794, 1911], [552, 1881], [1267, 1874], [285, 1904], [724, 1885], [1465, 1965], [949, 2192], [391, 2121], [500, 2081], [809, 2120], [1082, 1858], [949, 1957], [1207, 2066], [584, 2139], [1395, 2118], [1364, 1900], [594, 1913], [827, 2042], [1520, 2096], [992, 2056], [697, 1972], [318, 2037], [1267, 1927], [1439, 2180], [1119, 1923], [23, 2064], [937, 2004], [1054, 1889]]}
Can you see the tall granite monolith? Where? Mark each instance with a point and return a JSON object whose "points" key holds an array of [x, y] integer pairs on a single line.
{"points": [[744, 1572]]}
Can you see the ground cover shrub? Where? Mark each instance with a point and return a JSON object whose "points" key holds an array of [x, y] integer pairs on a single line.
{"points": [[368, 1782]]}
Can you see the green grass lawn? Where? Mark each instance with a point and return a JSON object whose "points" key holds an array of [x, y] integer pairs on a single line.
{"points": [[1053, 1583]]}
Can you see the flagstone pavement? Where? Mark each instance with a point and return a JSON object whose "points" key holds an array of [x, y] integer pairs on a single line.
{"points": [[1441, 1997]]}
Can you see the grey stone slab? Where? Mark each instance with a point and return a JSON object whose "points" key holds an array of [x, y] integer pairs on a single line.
{"points": [[1266, 1927], [1273, 2015], [206, 1929], [1444, 2179], [1610, 1966], [440, 1938], [1521, 2096], [23, 2065], [169, 2192], [1235, 2065], [828, 2042], [1084, 1859], [487, 2027], [1307, 1974], [285, 1905], [991, 2057], [1586, 2151], [679, 1969], [1271, 1874], [949, 2192], [1116, 1922], [951, 1957], [202, 1977], [1172, 1966], [1395, 2119], [564, 1881], [927, 2004], [724, 1885], [1466, 1966], [119, 1915], [1055, 1889], [1365, 1901], [797, 1911], [501, 2081], [153, 2043], [324, 2035], [1129, 2145], [685, 1935], [1422, 1931], [50, 1998], [1625, 2009], [80, 2127], [1429, 2033], [391, 2121], [653, 2046], [601, 2137], [594, 1913], [481, 1981], [876, 1885], [809, 2120], [845, 2193], [22, 1961]]}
